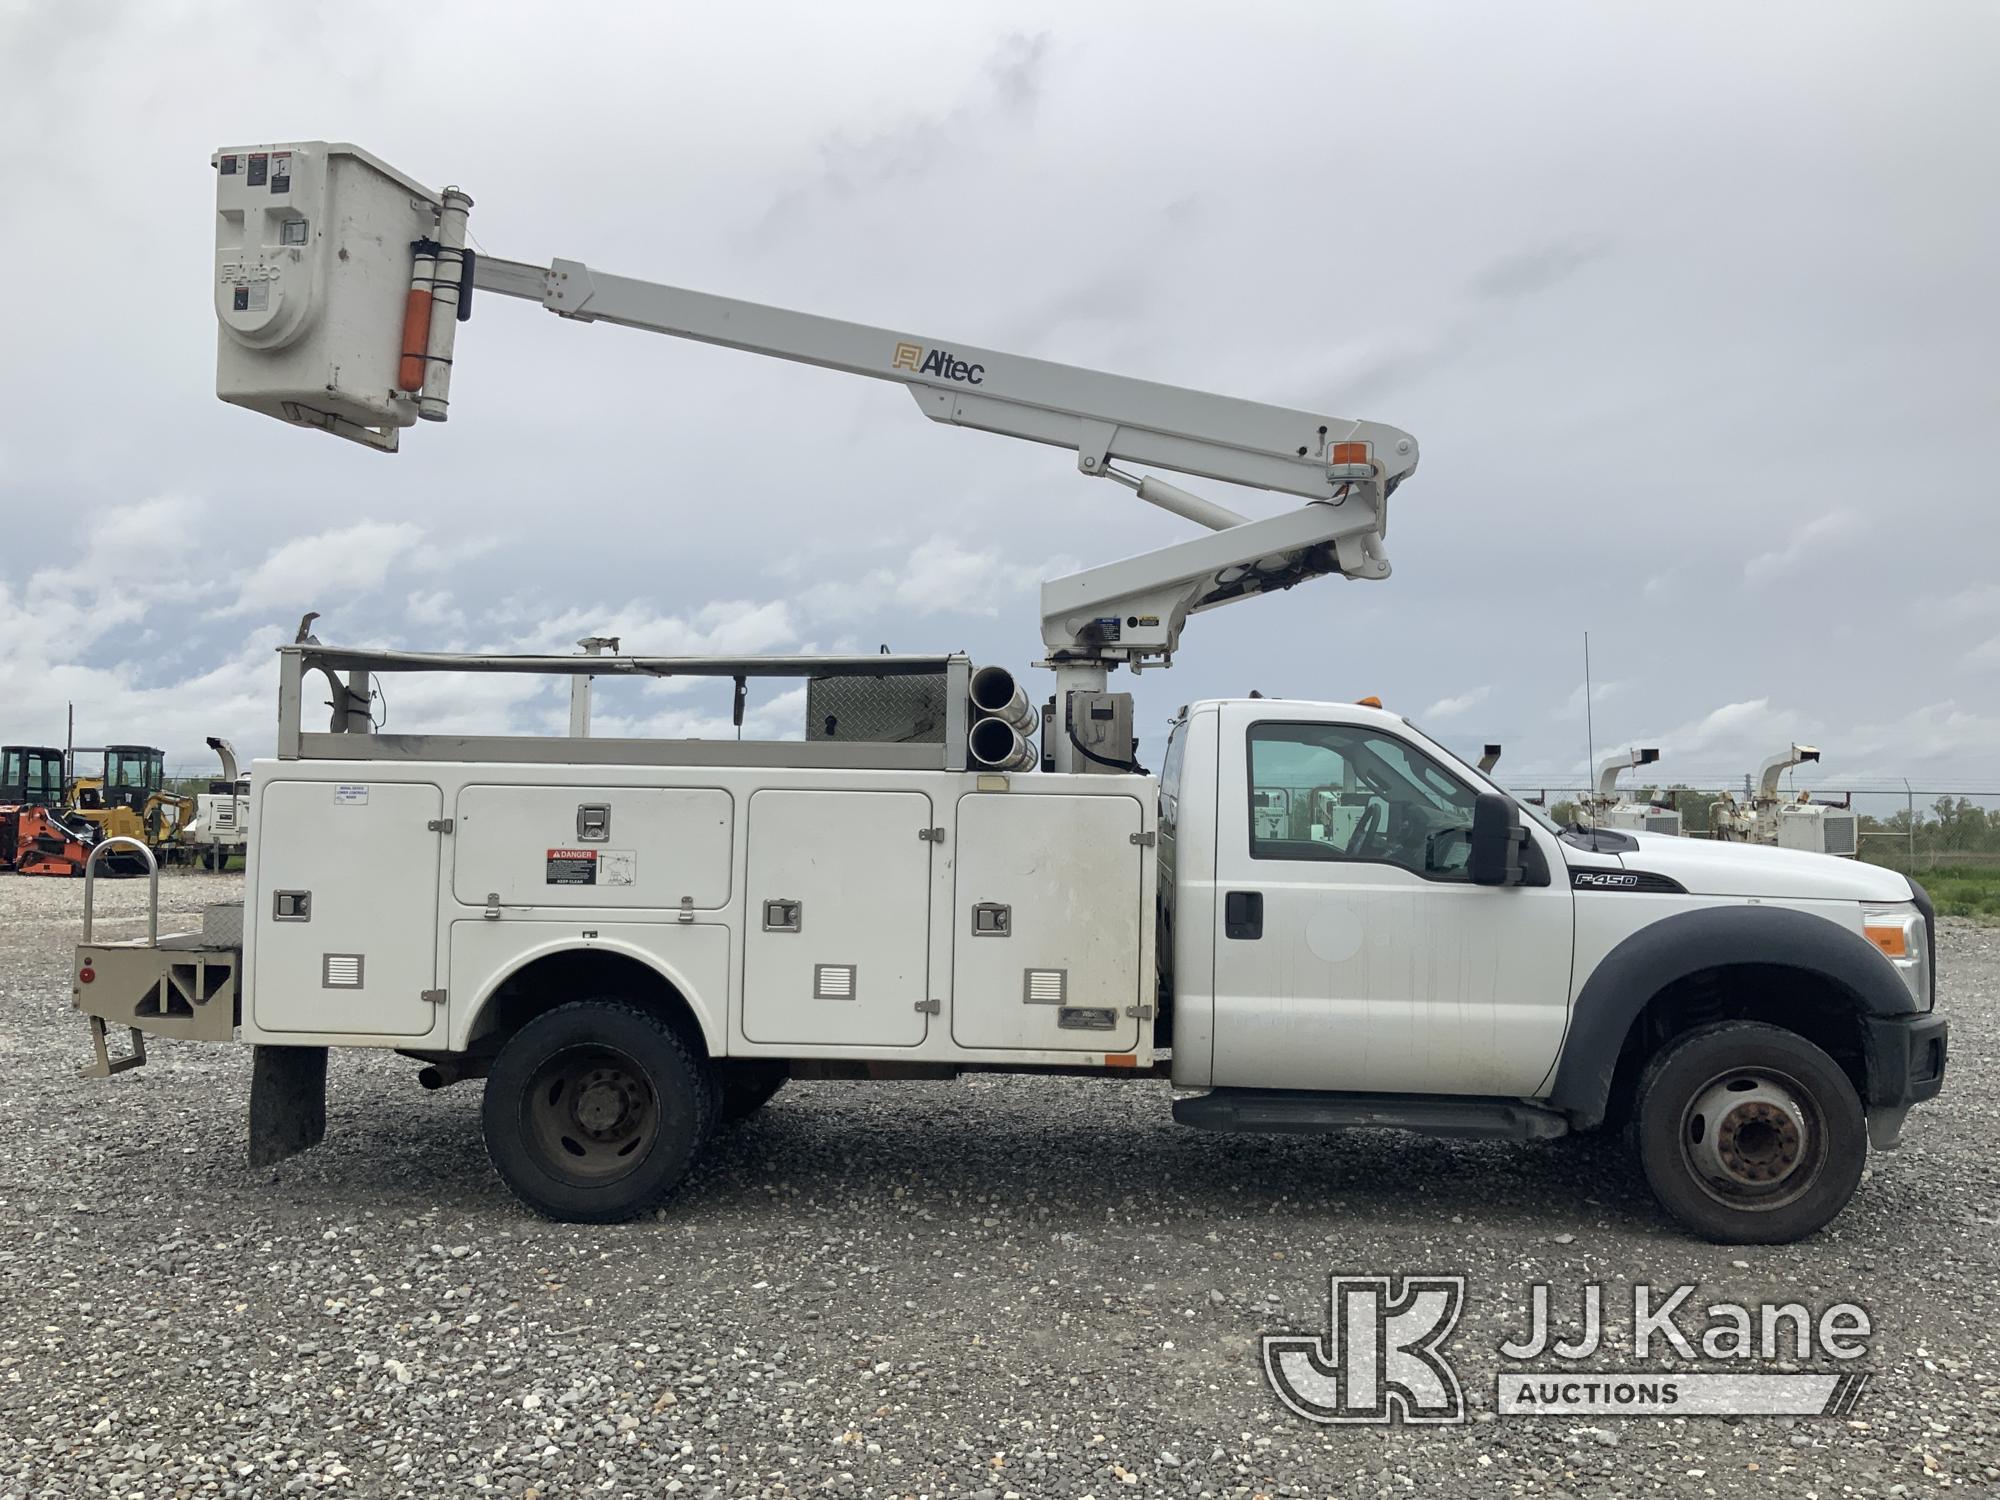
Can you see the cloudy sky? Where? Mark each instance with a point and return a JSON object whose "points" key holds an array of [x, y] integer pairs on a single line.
{"points": [[1692, 308]]}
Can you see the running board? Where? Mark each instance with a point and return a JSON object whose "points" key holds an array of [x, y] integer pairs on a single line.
{"points": [[1303, 1112]]}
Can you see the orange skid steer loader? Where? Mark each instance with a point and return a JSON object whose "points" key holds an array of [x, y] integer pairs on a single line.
{"points": [[34, 840]]}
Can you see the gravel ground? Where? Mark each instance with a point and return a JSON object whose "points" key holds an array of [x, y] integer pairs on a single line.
{"points": [[987, 1288]]}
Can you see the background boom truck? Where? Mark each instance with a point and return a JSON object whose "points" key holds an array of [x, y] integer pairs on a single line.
{"points": [[631, 940]]}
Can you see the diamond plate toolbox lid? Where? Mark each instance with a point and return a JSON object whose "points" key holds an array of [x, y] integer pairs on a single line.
{"points": [[900, 710]]}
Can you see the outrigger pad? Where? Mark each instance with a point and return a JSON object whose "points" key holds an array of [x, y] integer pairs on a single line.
{"points": [[287, 1102]]}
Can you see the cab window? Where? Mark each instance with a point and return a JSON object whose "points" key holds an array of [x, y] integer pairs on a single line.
{"points": [[1341, 792]]}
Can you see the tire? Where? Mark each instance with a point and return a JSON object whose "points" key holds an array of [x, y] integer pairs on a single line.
{"points": [[1749, 1134], [594, 1111], [747, 1088]]}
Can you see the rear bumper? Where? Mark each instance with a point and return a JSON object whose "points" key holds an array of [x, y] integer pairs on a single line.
{"points": [[1905, 1061]]}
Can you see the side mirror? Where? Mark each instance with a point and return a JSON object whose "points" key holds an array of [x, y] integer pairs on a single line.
{"points": [[1497, 836]]}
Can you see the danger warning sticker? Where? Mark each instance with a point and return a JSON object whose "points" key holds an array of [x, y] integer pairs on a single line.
{"points": [[572, 867]]}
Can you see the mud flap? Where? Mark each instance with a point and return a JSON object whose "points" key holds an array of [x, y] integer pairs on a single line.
{"points": [[287, 1102]]}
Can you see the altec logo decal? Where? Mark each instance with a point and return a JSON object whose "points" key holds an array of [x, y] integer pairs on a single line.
{"points": [[938, 362]]}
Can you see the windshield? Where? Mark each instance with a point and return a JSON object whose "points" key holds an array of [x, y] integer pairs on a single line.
{"points": [[1537, 814]]}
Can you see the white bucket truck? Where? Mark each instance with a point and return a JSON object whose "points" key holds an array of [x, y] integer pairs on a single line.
{"points": [[631, 940]]}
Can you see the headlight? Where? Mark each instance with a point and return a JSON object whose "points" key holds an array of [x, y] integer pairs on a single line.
{"points": [[1899, 935]]}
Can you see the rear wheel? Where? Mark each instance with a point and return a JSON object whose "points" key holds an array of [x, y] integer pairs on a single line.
{"points": [[595, 1110], [1749, 1133]]}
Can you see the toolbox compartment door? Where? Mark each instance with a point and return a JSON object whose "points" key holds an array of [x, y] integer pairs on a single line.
{"points": [[836, 944], [346, 937], [1046, 922], [626, 847]]}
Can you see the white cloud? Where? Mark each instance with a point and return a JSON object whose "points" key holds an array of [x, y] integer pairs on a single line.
{"points": [[1975, 603], [1986, 655], [1600, 692], [320, 570], [939, 575], [1822, 533], [1458, 703], [1927, 735], [738, 627], [434, 609]]}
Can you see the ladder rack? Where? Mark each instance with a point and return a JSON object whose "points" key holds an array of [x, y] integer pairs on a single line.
{"points": [[351, 734]]}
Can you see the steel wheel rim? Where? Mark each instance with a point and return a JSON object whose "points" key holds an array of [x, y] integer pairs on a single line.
{"points": [[1753, 1139], [591, 1114]]}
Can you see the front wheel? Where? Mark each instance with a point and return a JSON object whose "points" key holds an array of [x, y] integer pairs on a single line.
{"points": [[1750, 1134], [595, 1110]]}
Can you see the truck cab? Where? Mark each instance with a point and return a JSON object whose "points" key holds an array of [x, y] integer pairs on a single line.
{"points": [[1370, 958], [1349, 947]]}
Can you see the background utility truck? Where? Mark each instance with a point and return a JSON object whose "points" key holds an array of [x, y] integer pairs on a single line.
{"points": [[630, 940]]}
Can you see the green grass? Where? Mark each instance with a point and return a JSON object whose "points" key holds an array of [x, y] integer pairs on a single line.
{"points": [[1965, 890]]}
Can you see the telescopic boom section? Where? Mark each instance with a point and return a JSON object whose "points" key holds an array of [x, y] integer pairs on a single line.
{"points": [[340, 283]]}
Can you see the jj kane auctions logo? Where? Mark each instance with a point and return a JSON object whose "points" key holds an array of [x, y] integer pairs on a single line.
{"points": [[1382, 1357], [938, 362]]}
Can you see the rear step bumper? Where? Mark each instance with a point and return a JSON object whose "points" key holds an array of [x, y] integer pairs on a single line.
{"points": [[1302, 1112]]}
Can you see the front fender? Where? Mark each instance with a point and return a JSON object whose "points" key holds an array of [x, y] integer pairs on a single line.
{"points": [[1675, 947]]}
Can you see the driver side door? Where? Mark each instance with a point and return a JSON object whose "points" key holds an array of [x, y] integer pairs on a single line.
{"points": [[1352, 953]]}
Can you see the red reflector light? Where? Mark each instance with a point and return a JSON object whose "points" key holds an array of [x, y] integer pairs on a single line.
{"points": [[87, 974]]}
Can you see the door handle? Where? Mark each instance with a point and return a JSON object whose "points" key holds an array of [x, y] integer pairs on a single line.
{"points": [[1243, 914]]}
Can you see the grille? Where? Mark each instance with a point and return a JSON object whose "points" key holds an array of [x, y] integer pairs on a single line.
{"points": [[877, 710], [1840, 829], [833, 981]]}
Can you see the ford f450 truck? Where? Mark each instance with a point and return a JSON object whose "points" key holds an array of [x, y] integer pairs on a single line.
{"points": [[1314, 918], [632, 941]]}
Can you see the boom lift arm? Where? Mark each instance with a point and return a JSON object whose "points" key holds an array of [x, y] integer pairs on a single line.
{"points": [[1127, 611], [313, 237]]}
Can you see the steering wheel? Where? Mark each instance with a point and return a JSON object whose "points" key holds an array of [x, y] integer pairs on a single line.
{"points": [[1366, 829]]}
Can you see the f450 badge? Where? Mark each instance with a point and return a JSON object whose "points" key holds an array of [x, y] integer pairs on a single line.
{"points": [[1603, 880]]}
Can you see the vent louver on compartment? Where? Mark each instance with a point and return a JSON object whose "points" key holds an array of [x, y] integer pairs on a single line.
{"points": [[833, 981], [1045, 986], [340, 971]]}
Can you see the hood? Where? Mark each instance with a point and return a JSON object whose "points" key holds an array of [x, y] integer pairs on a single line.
{"points": [[1708, 867]]}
